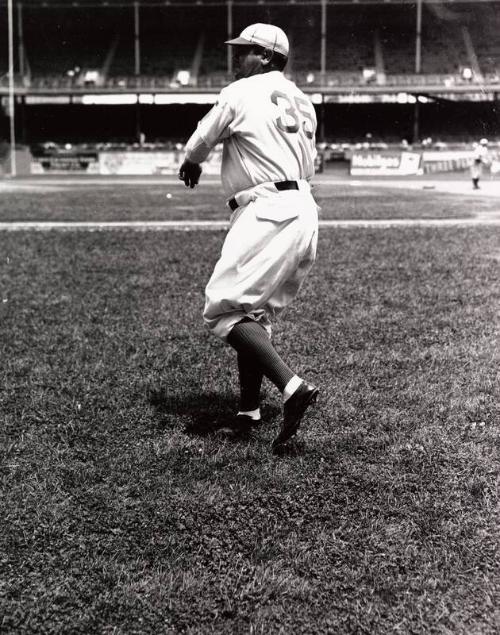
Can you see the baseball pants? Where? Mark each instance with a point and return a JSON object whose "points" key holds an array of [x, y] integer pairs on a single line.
{"points": [[476, 170], [267, 253]]}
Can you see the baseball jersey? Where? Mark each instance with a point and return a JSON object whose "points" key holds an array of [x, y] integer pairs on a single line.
{"points": [[481, 153], [267, 126]]}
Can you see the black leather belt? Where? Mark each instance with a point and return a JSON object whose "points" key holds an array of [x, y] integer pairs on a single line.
{"points": [[280, 186]]}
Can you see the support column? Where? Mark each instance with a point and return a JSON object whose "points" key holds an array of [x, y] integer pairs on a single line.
{"points": [[138, 121], [418, 70], [12, 99], [22, 108], [229, 36], [137, 41], [322, 119], [418, 39], [416, 122], [20, 40], [323, 40]]}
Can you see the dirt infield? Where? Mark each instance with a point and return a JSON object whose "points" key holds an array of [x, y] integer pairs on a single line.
{"points": [[451, 183], [489, 187], [476, 207]]}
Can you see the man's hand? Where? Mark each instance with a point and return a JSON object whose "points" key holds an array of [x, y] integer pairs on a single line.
{"points": [[190, 173]]}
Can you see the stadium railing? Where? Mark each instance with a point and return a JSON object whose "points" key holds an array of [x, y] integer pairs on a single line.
{"points": [[311, 78]]}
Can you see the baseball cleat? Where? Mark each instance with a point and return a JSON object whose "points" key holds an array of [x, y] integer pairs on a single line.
{"points": [[293, 411], [240, 426]]}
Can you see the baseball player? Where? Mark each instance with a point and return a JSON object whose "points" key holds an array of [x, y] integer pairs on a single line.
{"points": [[267, 126], [481, 157]]}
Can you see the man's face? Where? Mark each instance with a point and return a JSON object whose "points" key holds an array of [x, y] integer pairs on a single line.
{"points": [[246, 62]]}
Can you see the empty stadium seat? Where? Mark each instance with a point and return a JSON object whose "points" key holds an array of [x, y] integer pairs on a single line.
{"points": [[66, 42]]}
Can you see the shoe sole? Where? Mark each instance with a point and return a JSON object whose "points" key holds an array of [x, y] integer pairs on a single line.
{"points": [[292, 430]]}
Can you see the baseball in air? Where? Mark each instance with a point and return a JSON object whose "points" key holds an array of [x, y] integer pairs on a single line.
{"points": [[169, 195]]}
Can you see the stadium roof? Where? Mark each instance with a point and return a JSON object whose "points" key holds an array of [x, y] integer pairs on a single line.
{"points": [[184, 3]]}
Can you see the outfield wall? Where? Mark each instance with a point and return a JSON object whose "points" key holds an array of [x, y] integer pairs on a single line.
{"points": [[137, 162], [407, 162]]}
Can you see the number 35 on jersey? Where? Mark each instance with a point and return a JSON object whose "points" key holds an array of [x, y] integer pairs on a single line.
{"points": [[295, 112]]}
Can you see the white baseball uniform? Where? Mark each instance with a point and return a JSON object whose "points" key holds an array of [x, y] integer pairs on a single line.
{"points": [[481, 157], [267, 126]]}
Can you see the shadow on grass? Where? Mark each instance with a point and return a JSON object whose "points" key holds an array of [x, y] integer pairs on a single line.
{"points": [[291, 449], [206, 412]]}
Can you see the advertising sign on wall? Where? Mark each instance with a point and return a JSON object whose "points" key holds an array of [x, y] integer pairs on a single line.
{"points": [[151, 163], [139, 163], [385, 162], [65, 164]]}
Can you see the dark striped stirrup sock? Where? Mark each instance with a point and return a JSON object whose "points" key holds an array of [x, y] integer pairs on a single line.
{"points": [[250, 339]]}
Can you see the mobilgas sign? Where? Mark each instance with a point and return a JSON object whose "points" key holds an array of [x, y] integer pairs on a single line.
{"points": [[385, 162]]}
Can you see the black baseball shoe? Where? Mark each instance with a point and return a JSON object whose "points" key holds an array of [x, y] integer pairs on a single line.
{"points": [[293, 411], [241, 426]]}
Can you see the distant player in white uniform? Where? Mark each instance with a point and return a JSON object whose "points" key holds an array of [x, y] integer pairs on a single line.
{"points": [[481, 158], [267, 126]]}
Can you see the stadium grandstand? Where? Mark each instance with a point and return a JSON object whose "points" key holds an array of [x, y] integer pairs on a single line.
{"points": [[124, 71]]}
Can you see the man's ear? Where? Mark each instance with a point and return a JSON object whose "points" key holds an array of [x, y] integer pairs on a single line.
{"points": [[266, 57]]}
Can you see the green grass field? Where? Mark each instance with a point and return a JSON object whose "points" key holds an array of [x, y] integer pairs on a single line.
{"points": [[130, 200], [123, 511]]}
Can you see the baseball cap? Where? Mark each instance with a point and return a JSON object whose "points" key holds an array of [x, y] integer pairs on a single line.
{"points": [[266, 35], [484, 142]]}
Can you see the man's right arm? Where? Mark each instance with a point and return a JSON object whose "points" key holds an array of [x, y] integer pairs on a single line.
{"points": [[197, 150], [214, 127]]}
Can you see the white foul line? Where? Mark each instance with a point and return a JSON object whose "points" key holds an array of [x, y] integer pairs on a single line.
{"points": [[99, 225], [186, 225]]}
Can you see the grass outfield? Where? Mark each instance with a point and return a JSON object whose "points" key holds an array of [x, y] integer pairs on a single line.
{"points": [[137, 201], [122, 512]]}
